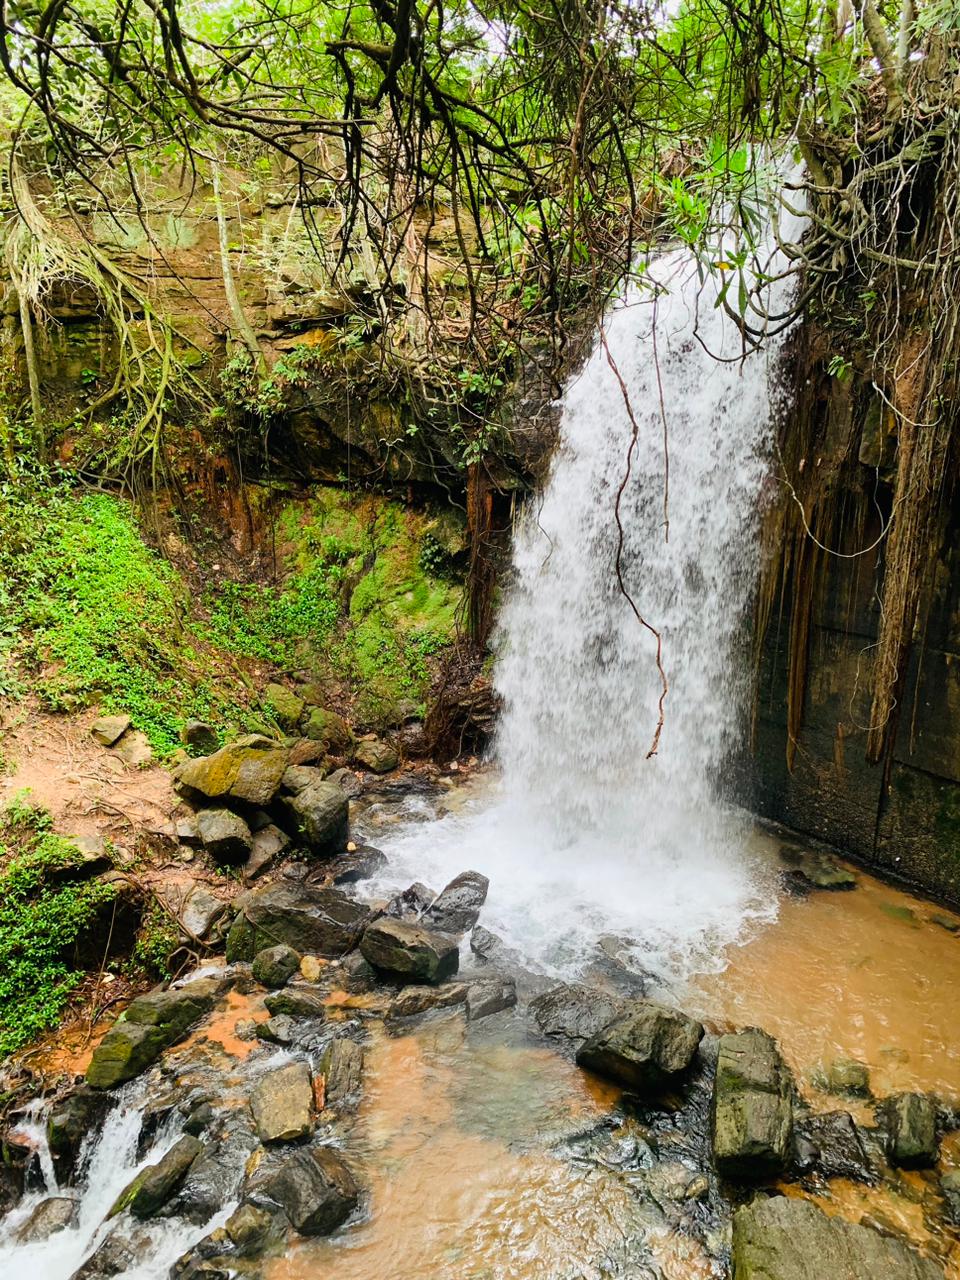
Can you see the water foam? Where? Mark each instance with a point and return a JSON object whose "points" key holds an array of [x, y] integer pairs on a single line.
{"points": [[587, 836]]}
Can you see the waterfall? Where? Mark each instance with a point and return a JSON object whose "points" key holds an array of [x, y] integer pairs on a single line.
{"points": [[589, 835]]}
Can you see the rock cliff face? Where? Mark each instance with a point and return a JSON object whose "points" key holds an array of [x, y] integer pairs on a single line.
{"points": [[817, 634]]}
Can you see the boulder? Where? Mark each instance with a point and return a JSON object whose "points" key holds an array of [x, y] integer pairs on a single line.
{"points": [[362, 863], [312, 920], [409, 951], [283, 705], [378, 757], [491, 995], [69, 1121], [835, 1146], [297, 1002], [267, 845], [784, 1238], [224, 835], [201, 738], [56, 1213], [150, 1024], [318, 816], [212, 1178], [328, 728], [911, 1122], [109, 729], [249, 769], [950, 1190], [274, 966], [644, 1046], [297, 777], [314, 1188], [278, 1030], [414, 1000], [411, 903], [347, 781], [752, 1108], [810, 868], [282, 1103], [487, 945], [153, 1187], [848, 1078], [574, 1012], [196, 908], [456, 909], [342, 1069]]}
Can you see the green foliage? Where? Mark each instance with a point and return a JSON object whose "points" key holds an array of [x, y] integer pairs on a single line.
{"points": [[42, 916], [94, 613], [157, 939]]}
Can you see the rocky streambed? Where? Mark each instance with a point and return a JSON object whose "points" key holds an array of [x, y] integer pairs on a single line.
{"points": [[367, 1086]]}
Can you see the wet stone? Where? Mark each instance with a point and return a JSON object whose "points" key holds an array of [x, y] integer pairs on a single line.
{"points": [[911, 1120], [485, 944], [409, 951], [362, 863], [812, 869], [752, 1108], [152, 1187], [574, 1012], [274, 966], [415, 1000], [280, 1029], [411, 903], [457, 907], [314, 921], [837, 1148], [781, 1238], [490, 996], [644, 1046], [848, 1078], [315, 1189], [950, 1190], [69, 1121], [297, 1002], [56, 1213], [342, 1069], [282, 1104]]}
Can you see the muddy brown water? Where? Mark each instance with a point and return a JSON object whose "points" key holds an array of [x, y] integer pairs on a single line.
{"points": [[458, 1133]]}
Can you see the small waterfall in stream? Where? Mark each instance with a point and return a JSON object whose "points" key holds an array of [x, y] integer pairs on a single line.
{"points": [[589, 837]]}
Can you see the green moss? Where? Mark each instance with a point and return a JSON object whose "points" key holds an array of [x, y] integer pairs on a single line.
{"points": [[42, 916], [103, 617]]}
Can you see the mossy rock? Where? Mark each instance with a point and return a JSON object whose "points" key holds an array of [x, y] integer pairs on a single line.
{"points": [[328, 728], [284, 705], [249, 769]]}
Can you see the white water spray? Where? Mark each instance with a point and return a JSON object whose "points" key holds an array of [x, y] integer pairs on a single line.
{"points": [[588, 836]]}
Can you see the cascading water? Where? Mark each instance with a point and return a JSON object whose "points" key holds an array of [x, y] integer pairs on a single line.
{"points": [[588, 836]]}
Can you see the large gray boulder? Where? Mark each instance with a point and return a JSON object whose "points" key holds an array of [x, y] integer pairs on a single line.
{"points": [[752, 1108], [318, 816], [152, 1187], [249, 769], [456, 909], [282, 1103], [574, 1012], [409, 951], [314, 1188], [644, 1046], [224, 835], [150, 1024], [312, 920], [911, 1120], [783, 1238]]}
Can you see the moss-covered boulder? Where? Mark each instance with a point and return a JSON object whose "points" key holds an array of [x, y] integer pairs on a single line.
{"points": [[249, 770], [410, 952], [274, 966], [311, 920], [283, 705], [318, 816], [911, 1121], [784, 1238], [329, 729], [752, 1108], [150, 1024], [643, 1047], [378, 757], [152, 1187]]}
